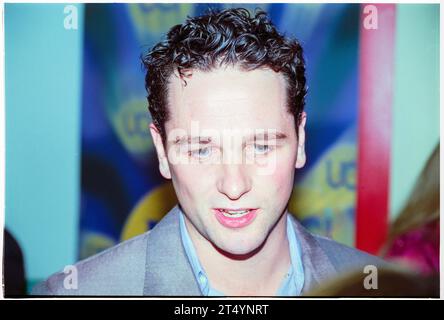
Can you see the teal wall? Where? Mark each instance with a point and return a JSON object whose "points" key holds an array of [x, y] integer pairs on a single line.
{"points": [[43, 95], [416, 97]]}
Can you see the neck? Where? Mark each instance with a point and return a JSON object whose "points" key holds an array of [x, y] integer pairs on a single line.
{"points": [[258, 273]]}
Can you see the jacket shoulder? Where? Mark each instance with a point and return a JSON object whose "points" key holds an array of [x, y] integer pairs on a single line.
{"points": [[345, 258], [119, 270]]}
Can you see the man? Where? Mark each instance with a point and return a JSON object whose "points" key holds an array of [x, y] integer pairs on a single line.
{"points": [[226, 96]]}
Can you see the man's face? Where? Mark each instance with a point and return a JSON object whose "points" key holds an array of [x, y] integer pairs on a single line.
{"points": [[232, 144]]}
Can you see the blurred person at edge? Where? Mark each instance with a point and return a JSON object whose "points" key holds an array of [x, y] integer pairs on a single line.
{"points": [[413, 239], [389, 282]]}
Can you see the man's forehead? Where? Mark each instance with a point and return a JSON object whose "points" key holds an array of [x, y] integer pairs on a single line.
{"points": [[225, 72], [225, 85], [229, 103]]}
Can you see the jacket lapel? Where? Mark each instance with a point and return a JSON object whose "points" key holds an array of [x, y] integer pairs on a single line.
{"points": [[168, 272]]}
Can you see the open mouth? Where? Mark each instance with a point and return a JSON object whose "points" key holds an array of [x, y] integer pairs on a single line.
{"points": [[235, 218], [234, 213]]}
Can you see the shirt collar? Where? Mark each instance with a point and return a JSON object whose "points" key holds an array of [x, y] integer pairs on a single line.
{"points": [[198, 271], [291, 285]]}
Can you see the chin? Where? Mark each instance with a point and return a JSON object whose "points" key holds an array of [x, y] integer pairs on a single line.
{"points": [[241, 248]]}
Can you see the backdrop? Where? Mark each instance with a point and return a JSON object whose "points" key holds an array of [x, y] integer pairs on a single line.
{"points": [[122, 192]]}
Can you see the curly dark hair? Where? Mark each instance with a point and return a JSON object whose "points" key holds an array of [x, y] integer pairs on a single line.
{"points": [[227, 37]]}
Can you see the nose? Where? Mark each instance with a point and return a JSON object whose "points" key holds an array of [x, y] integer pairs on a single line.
{"points": [[234, 181]]}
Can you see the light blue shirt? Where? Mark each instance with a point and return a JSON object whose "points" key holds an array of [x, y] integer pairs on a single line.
{"points": [[291, 284]]}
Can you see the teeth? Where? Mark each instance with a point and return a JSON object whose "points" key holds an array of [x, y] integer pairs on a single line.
{"points": [[228, 213], [237, 212]]}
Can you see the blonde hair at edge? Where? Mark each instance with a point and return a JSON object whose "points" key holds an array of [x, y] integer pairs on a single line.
{"points": [[422, 206], [421, 209], [391, 282]]}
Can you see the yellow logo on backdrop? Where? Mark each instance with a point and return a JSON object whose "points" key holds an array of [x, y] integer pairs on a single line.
{"points": [[150, 209], [325, 200], [131, 123], [157, 18]]}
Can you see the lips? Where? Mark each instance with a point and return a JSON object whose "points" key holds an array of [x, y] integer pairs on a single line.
{"points": [[235, 218]]}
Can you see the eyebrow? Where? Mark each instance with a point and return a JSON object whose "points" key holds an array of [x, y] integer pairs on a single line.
{"points": [[188, 140], [207, 140], [267, 136]]}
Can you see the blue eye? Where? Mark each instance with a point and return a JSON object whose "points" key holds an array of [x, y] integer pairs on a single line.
{"points": [[261, 149], [201, 153]]}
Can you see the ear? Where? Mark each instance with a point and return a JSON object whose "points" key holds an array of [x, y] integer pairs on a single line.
{"points": [[301, 157], [164, 167]]}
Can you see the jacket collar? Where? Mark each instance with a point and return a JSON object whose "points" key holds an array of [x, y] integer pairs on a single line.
{"points": [[318, 267], [169, 273]]}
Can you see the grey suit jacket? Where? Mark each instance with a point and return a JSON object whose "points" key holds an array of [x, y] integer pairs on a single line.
{"points": [[155, 264]]}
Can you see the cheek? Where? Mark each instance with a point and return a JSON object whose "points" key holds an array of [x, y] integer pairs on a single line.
{"points": [[281, 178], [189, 181]]}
